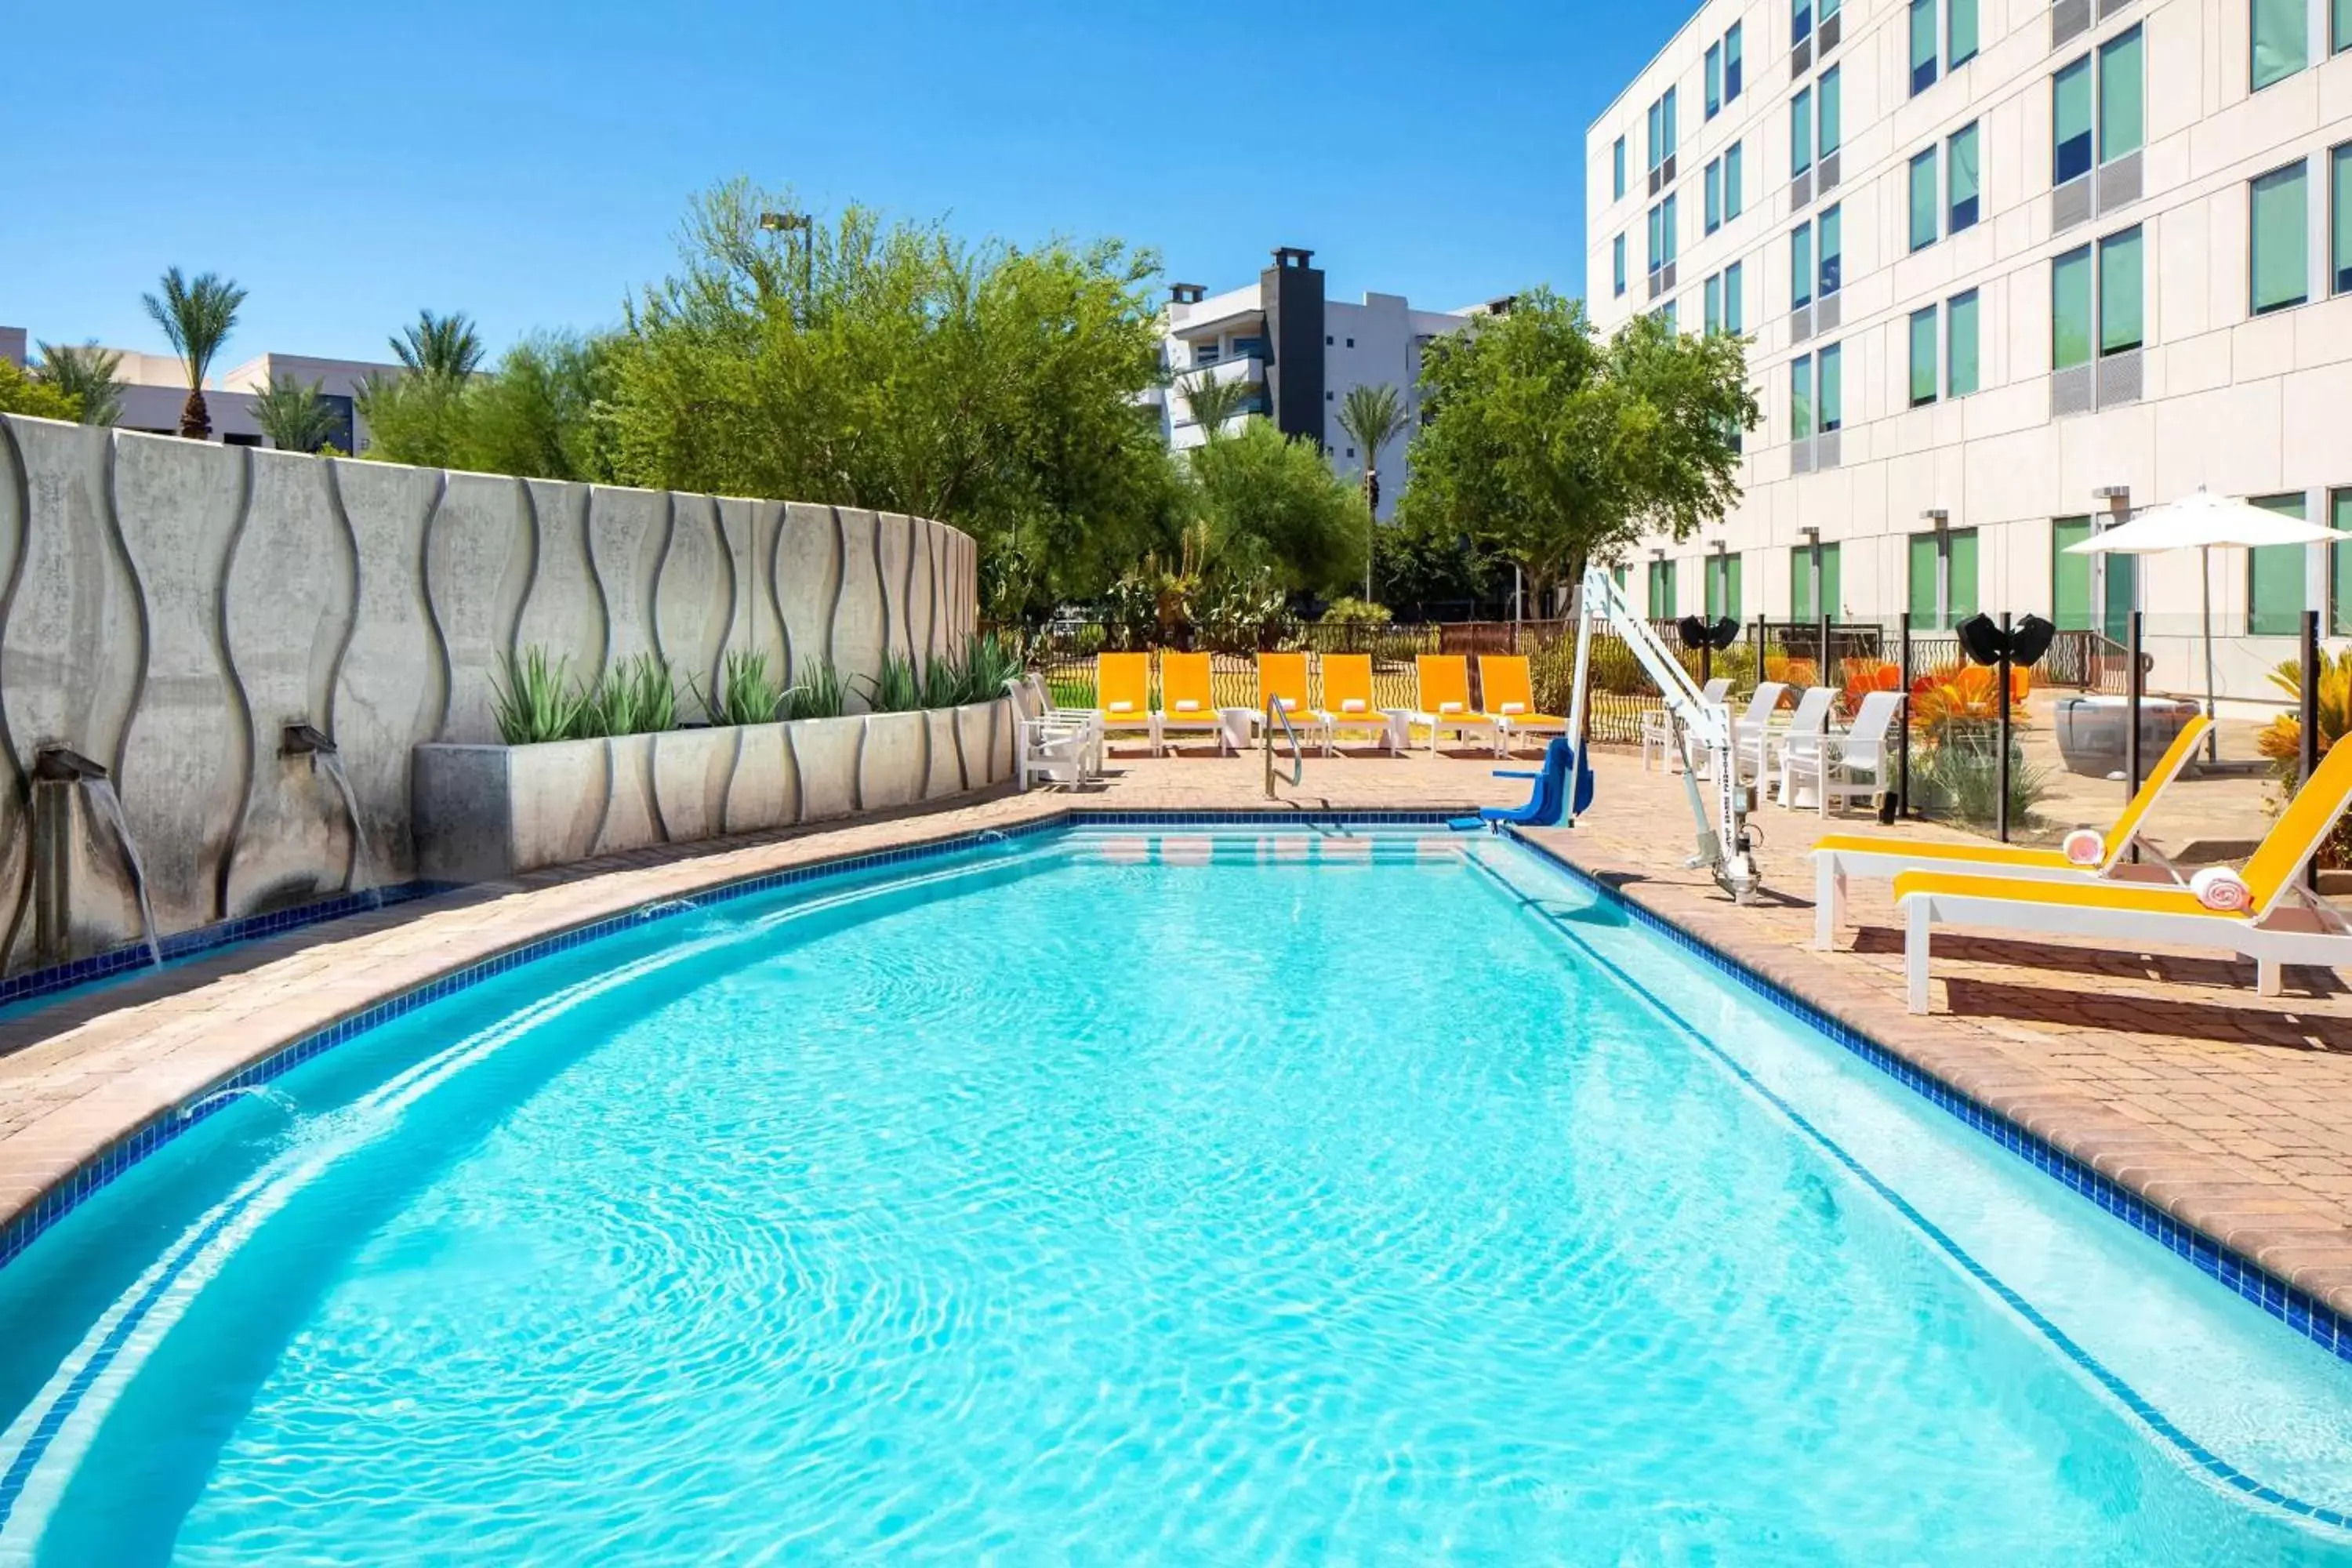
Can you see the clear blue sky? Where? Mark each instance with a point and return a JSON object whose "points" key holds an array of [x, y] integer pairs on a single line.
{"points": [[526, 161]]}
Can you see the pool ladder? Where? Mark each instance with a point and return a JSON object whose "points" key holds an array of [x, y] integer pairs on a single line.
{"points": [[1275, 710]]}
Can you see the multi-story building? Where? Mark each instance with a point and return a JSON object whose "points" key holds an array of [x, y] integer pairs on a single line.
{"points": [[2009, 269], [1301, 354], [155, 386]]}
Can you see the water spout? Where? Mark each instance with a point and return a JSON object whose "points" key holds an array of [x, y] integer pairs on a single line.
{"points": [[276, 1096], [305, 739], [56, 764], [667, 907]]}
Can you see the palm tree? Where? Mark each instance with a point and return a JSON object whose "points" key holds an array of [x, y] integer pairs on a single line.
{"points": [[197, 318], [1374, 415], [445, 346], [86, 372], [294, 417], [1213, 402]]}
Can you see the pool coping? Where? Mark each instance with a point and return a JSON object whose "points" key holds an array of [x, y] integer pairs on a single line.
{"points": [[2109, 1164]]}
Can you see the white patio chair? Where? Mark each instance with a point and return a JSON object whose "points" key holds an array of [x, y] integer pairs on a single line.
{"points": [[1658, 730], [1054, 749], [1859, 762], [1805, 727], [1041, 705], [1750, 730]]}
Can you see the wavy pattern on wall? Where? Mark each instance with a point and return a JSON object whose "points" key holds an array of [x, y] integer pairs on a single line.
{"points": [[169, 607]]}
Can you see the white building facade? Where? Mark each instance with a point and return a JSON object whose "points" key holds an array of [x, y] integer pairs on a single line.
{"points": [[1301, 354], [155, 386], [2008, 270]]}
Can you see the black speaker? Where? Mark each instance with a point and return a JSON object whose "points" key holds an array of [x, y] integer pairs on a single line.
{"points": [[1694, 631], [2029, 639], [1981, 636]]}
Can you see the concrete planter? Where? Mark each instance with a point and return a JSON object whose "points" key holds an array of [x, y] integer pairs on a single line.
{"points": [[489, 812]]}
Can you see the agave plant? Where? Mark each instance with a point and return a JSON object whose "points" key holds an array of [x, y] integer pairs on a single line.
{"points": [[747, 694], [819, 693], [2282, 738], [895, 688], [537, 702], [197, 318], [1861, 677], [987, 663], [1965, 694], [637, 697], [943, 683]]}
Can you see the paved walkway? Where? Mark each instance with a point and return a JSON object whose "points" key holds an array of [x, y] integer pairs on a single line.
{"points": [[2164, 1070]]}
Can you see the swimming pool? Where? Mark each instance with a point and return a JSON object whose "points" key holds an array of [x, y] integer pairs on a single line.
{"points": [[1230, 1196]]}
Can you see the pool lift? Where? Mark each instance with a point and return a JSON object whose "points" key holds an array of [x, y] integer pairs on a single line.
{"points": [[1725, 849]]}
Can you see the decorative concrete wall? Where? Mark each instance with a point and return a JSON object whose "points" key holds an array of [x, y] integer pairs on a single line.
{"points": [[170, 606]]}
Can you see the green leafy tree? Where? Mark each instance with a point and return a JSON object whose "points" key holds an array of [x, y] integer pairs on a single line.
{"points": [[196, 317], [540, 412], [1556, 449], [1271, 503], [1372, 416], [86, 374], [20, 393], [1448, 573], [993, 387], [1213, 404], [445, 346], [295, 416]]}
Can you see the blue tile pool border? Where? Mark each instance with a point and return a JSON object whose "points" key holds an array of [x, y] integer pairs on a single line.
{"points": [[2300, 1310], [101, 1169], [38, 983]]}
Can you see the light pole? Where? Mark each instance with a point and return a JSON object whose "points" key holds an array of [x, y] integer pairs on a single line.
{"points": [[785, 223]]}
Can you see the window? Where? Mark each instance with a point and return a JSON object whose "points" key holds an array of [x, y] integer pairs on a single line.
{"points": [[1832, 117], [1666, 206], [1731, 63], [1923, 46], [1923, 356], [2121, 292], [2070, 122], [1823, 16], [2339, 218], [1801, 23], [1801, 398], [1734, 316], [1800, 132], [1655, 142], [1731, 182], [1814, 589], [2279, 239], [2090, 592], [2274, 591], [1924, 231], [1800, 265], [1711, 303], [2339, 565], [1617, 169], [1959, 33], [1963, 195], [1960, 344], [1722, 587], [1831, 224], [1831, 403], [1656, 254], [1714, 198], [2339, 26], [1943, 578], [2069, 308], [1669, 101], [1352, 342], [1662, 590], [1714, 80], [1665, 314], [1617, 261], [2123, 97], [2282, 30]]}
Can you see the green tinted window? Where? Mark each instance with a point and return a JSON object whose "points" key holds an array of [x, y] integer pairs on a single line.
{"points": [[2339, 565], [1832, 225], [1960, 32], [1960, 344], [1800, 265], [1960, 576], [2274, 593], [1923, 356], [2070, 122], [1832, 110], [2279, 264], [1731, 183], [1734, 317], [1801, 398], [1617, 261], [1722, 587], [2282, 30], [1800, 132], [1923, 200], [2119, 292], [1617, 163], [1923, 45], [1712, 308], [2123, 106], [2069, 308], [2069, 576], [1714, 196], [1924, 599], [1832, 399], [1965, 190], [2339, 223]]}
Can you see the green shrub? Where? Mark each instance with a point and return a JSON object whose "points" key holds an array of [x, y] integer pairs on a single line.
{"points": [[746, 693], [1959, 772], [817, 694], [637, 697], [896, 687], [1352, 612], [988, 662], [537, 702]]}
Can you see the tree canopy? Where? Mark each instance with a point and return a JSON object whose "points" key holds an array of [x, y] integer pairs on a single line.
{"points": [[542, 413], [20, 393], [1557, 448], [1270, 504]]}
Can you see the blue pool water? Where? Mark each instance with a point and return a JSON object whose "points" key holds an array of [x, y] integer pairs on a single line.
{"points": [[1353, 1196]]}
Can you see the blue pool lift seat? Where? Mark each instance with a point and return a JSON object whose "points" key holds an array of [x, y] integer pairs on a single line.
{"points": [[1564, 771]]}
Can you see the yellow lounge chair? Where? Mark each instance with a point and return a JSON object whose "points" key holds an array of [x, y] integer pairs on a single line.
{"points": [[1348, 700], [2262, 912], [1442, 688], [1123, 687], [1281, 682], [1509, 695], [1186, 701], [1840, 856]]}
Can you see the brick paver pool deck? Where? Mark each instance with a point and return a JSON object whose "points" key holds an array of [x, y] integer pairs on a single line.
{"points": [[2163, 1070]]}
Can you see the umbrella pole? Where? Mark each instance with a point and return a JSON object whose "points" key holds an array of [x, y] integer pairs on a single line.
{"points": [[2205, 584]]}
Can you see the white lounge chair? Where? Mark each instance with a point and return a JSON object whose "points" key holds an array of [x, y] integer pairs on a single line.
{"points": [[1770, 748], [1658, 730], [2086, 853], [1748, 731], [2263, 912], [1032, 699], [1857, 763], [1051, 751]]}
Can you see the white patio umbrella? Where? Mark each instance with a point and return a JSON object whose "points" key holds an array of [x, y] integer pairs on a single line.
{"points": [[2202, 521]]}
